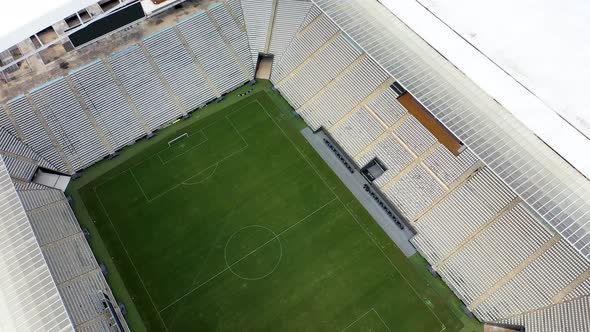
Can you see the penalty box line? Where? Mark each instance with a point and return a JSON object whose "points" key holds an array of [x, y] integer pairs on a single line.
{"points": [[365, 314], [153, 155], [183, 182], [248, 254]]}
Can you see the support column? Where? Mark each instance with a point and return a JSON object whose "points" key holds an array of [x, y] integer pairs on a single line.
{"points": [[51, 135], [442, 262], [307, 60], [572, 285], [230, 47], [333, 81], [407, 169], [271, 23], [15, 125], [477, 302], [165, 83], [89, 115], [385, 85], [197, 62], [125, 94]]}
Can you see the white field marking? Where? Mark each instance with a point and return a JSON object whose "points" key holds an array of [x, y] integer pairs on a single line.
{"points": [[236, 129], [355, 219], [247, 255], [164, 162], [178, 138], [149, 200], [217, 162], [363, 315], [192, 176], [388, 329], [356, 320], [154, 155], [205, 179], [275, 236], [129, 256], [139, 185]]}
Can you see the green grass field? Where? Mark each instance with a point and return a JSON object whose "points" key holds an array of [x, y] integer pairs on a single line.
{"points": [[240, 226]]}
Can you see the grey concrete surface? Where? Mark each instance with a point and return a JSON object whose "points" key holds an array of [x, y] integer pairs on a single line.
{"points": [[354, 182]]}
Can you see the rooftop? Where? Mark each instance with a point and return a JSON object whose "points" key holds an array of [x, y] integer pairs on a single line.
{"points": [[531, 59]]}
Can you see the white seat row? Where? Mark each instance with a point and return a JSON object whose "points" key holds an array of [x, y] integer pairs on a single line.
{"points": [[257, 15], [459, 214], [387, 107], [143, 86], [71, 127], [415, 135], [236, 36], [236, 8], [414, 192], [348, 91], [447, 166], [178, 69], [300, 86], [69, 258], [303, 45], [570, 316], [107, 104], [582, 290], [25, 185], [27, 287], [98, 326], [34, 132], [19, 168], [493, 253], [10, 144], [357, 131], [5, 122], [536, 285], [207, 44], [288, 17], [35, 199], [391, 153], [84, 296], [53, 222]]}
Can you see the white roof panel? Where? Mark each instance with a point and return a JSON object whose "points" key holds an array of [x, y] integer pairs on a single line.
{"points": [[530, 56], [22, 18], [29, 299]]}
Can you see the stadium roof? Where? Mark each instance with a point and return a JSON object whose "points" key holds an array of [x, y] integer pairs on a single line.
{"points": [[23, 18], [531, 58]]}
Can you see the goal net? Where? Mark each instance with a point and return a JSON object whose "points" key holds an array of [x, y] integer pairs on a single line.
{"points": [[177, 139]]}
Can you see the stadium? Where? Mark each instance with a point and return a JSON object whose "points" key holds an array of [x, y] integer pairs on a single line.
{"points": [[290, 165]]}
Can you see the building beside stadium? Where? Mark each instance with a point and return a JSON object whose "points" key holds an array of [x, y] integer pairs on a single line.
{"points": [[482, 159]]}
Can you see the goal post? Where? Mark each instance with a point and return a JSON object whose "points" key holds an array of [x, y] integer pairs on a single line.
{"points": [[170, 143]]}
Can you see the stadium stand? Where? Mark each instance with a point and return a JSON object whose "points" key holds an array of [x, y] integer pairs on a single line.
{"points": [[108, 105], [513, 253], [31, 300], [257, 16], [287, 18], [487, 244], [77, 275]]}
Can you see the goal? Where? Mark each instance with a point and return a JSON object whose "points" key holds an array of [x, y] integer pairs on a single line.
{"points": [[183, 136]]}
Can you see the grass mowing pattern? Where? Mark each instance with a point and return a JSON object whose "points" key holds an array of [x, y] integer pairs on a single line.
{"points": [[243, 227]]}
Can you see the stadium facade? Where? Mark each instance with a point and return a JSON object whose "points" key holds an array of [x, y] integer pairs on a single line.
{"points": [[498, 213]]}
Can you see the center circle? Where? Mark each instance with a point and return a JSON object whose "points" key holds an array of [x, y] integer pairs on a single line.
{"points": [[253, 252]]}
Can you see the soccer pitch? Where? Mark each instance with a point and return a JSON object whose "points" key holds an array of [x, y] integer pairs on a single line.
{"points": [[240, 226]]}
